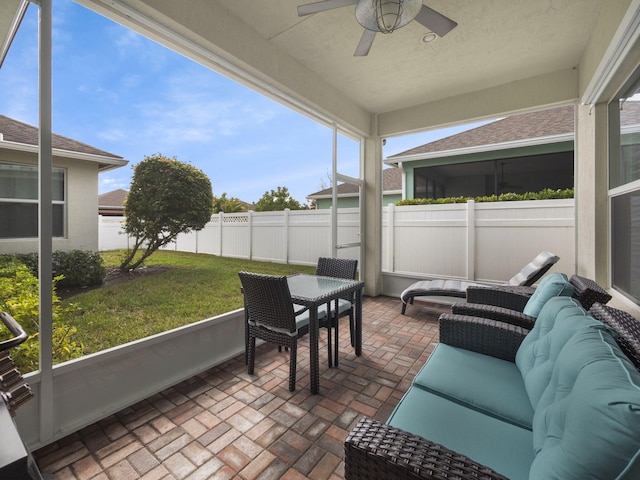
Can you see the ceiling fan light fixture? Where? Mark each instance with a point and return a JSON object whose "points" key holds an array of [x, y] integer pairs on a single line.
{"points": [[427, 38], [385, 16]]}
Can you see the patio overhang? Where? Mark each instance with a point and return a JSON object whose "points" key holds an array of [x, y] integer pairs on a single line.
{"points": [[11, 14], [479, 70]]}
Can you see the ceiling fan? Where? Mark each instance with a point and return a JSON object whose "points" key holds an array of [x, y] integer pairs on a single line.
{"points": [[384, 16]]}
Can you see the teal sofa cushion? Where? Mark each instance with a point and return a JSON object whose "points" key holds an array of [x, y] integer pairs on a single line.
{"points": [[553, 285], [481, 382], [559, 319], [587, 423], [500, 445]]}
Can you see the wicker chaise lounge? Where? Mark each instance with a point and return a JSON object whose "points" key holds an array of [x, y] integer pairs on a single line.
{"points": [[529, 274]]}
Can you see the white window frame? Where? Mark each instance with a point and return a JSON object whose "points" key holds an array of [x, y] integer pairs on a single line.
{"points": [[631, 186], [34, 201]]}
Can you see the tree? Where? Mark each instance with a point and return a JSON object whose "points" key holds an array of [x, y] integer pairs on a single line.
{"points": [[228, 205], [276, 200], [167, 197]]}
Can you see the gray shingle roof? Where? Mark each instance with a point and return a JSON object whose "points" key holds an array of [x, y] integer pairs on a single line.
{"points": [[391, 181], [19, 132], [114, 198], [525, 126]]}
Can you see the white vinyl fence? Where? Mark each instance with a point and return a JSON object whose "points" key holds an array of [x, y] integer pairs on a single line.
{"points": [[475, 241], [483, 241]]}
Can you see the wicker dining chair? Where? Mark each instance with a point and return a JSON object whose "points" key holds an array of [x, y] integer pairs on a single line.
{"points": [[339, 268], [271, 317]]}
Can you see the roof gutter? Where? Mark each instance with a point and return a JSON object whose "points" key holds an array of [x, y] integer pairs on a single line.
{"points": [[529, 142], [13, 29], [110, 162]]}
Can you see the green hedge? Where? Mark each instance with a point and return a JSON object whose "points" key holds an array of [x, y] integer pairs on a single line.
{"points": [[546, 194], [75, 268]]}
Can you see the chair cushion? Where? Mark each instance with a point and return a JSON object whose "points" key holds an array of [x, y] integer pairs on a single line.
{"points": [[586, 425], [302, 320], [503, 446], [543, 261], [559, 319], [343, 306], [481, 382], [553, 285]]}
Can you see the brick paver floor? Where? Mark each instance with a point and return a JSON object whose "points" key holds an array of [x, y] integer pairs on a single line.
{"points": [[225, 423]]}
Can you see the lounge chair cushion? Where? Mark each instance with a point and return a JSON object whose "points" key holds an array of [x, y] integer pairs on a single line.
{"points": [[553, 285], [542, 261], [586, 423], [445, 288]]}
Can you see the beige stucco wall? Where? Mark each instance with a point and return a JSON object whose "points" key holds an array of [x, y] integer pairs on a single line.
{"points": [[81, 229]]}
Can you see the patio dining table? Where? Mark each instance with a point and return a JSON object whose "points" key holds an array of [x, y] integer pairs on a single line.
{"points": [[312, 291]]}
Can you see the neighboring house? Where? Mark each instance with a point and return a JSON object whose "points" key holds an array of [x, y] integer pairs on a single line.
{"points": [[348, 194], [111, 204], [522, 153], [75, 172]]}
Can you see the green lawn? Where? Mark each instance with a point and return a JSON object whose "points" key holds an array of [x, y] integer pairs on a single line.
{"points": [[193, 288]]}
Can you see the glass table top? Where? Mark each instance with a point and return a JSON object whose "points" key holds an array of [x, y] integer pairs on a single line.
{"points": [[315, 287]]}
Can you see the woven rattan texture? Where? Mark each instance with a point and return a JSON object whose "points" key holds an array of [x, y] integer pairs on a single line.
{"points": [[268, 305], [495, 313], [482, 335], [513, 298], [339, 268], [377, 451], [588, 292], [626, 326]]}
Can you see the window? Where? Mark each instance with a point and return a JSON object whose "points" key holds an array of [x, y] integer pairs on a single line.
{"points": [[19, 201], [425, 186], [624, 184]]}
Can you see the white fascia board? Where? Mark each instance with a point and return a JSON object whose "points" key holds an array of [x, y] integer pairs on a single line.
{"points": [[529, 142], [329, 196], [112, 162]]}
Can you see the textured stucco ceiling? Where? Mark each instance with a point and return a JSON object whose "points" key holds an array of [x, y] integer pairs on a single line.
{"points": [[496, 42]]}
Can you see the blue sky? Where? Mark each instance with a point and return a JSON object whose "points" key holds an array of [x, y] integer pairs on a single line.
{"points": [[120, 92]]}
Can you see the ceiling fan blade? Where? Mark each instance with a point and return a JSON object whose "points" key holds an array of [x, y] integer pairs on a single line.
{"points": [[316, 7], [362, 50], [434, 21]]}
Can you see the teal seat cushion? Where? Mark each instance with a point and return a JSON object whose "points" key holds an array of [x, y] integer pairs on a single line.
{"points": [[587, 423], [553, 285], [500, 445], [481, 382], [559, 319]]}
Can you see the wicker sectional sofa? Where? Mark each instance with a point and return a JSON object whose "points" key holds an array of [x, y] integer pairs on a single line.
{"points": [[494, 401]]}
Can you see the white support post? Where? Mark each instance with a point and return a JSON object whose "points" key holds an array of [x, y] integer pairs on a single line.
{"points": [[471, 240], [220, 222], [334, 193], [250, 233], [45, 227], [286, 236], [391, 220]]}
